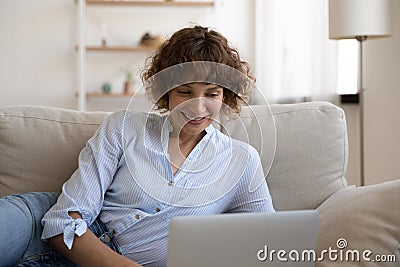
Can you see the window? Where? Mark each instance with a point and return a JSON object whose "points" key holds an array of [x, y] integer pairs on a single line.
{"points": [[347, 67]]}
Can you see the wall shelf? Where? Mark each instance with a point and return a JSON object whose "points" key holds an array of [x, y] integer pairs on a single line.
{"points": [[150, 3], [83, 48], [112, 95], [138, 48]]}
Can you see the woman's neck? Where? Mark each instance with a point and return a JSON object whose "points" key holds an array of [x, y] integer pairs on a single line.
{"points": [[185, 141], [179, 148]]}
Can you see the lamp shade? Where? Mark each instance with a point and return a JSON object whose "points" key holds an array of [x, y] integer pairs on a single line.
{"points": [[351, 18]]}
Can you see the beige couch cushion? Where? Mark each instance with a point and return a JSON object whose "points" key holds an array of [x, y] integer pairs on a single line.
{"points": [[367, 218], [39, 146], [310, 160]]}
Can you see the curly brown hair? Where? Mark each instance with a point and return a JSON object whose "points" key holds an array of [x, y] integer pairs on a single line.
{"points": [[200, 44]]}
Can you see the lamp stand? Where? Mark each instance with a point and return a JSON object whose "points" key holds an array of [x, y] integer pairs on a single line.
{"points": [[361, 92]]}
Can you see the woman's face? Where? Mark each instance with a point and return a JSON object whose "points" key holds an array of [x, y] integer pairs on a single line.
{"points": [[193, 106]]}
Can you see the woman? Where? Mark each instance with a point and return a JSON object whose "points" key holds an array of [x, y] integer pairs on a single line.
{"points": [[141, 169]]}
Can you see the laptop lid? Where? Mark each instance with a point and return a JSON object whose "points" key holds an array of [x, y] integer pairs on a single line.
{"points": [[286, 238]]}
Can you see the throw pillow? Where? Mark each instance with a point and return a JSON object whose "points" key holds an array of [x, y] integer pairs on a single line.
{"points": [[360, 226]]}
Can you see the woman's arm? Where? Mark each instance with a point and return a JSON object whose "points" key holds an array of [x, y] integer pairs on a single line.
{"points": [[88, 250], [253, 193], [81, 200]]}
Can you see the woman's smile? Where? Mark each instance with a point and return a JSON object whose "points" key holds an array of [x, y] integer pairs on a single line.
{"points": [[195, 120]]}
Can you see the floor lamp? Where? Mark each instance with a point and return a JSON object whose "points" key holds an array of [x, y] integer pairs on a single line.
{"points": [[359, 19]]}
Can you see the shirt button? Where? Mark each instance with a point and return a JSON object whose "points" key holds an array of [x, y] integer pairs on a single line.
{"points": [[158, 209], [170, 183], [107, 238], [137, 216]]}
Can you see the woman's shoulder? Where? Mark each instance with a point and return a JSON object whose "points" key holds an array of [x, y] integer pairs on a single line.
{"points": [[238, 145]]}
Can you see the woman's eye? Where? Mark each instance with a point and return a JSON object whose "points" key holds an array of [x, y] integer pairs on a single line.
{"points": [[183, 92], [213, 95]]}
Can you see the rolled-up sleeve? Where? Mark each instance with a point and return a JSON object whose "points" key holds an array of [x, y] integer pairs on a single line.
{"points": [[84, 191]]}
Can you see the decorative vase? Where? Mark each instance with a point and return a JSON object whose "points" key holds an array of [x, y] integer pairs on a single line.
{"points": [[129, 87], [106, 88]]}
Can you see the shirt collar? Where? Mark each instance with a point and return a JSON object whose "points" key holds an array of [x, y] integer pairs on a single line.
{"points": [[167, 128]]}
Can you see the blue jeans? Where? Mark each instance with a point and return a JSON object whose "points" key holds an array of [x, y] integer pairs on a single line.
{"points": [[21, 230]]}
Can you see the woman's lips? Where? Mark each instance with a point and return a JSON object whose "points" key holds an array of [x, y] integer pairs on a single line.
{"points": [[197, 122], [194, 120]]}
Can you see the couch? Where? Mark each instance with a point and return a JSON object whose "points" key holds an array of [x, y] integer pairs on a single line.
{"points": [[304, 156]]}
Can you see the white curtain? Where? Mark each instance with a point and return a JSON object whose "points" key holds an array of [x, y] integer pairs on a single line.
{"points": [[295, 60]]}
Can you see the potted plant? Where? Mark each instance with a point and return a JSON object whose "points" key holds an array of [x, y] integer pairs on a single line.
{"points": [[128, 84]]}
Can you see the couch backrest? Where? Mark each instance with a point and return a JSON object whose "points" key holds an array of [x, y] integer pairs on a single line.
{"points": [[39, 148], [310, 159]]}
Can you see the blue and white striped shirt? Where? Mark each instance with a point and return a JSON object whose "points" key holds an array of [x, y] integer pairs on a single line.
{"points": [[125, 177]]}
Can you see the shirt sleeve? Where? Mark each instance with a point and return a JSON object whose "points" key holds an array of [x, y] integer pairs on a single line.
{"points": [[252, 194], [84, 191]]}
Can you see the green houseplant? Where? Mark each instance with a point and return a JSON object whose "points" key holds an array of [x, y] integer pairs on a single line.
{"points": [[129, 83]]}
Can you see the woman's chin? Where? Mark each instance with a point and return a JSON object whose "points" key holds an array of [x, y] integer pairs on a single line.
{"points": [[196, 127]]}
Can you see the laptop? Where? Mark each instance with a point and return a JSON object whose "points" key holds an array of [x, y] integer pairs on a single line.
{"points": [[285, 238]]}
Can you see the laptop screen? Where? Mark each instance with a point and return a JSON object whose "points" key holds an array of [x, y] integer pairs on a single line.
{"points": [[247, 239]]}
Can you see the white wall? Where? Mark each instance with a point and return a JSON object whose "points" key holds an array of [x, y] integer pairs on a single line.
{"points": [[382, 111], [36, 49], [38, 39]]}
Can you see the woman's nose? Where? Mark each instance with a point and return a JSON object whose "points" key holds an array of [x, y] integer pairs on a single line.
{"points": [[198, 106]]}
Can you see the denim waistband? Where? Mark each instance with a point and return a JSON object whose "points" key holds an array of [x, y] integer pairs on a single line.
{"points": [[105, 236]]}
